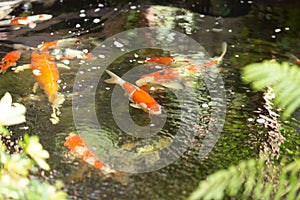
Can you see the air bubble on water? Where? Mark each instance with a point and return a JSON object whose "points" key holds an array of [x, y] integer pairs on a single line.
{"points": [[118, 44], [81, 72], [287, 28], [157, 67], [51, 33], [101, 56], [205, 105], [132, 7], [100, 5], [91, 86], [115, 9], [107, 88], [277, 30], [201, 15], [260, 120], [250, 119], [85, 51], [236, 55], [136, 55], [82, 15], [230, 31], [82, 11], [96, 20], [273, 36], [97, 10]]}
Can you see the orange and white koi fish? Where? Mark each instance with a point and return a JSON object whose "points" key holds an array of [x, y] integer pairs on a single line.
{"points": [[78, 146], [173, 77], [24, 21], [9, 60], [63, 43], [140, 98]]}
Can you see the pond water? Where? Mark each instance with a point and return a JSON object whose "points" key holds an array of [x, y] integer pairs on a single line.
{"points": [[253, 32]]}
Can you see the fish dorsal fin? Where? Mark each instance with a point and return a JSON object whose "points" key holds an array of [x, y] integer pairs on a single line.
{"points": [[176, 85], [135, 105]]}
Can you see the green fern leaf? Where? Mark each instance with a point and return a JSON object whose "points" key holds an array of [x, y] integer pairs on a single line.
{"points": [[284, 78]]}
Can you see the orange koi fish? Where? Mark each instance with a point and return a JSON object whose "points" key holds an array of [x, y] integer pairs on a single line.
{"points": [[140, 98], [9, 60], [45, 72], [167, 60], [29, 20], [173, 77], [77, 145]]}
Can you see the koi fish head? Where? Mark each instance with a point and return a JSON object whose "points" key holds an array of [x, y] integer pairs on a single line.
{"points": [[43, 17], [155, 109], [73, 141]]}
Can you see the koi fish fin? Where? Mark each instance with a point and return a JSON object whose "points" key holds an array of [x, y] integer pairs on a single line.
{"points": [[32, 25], [21, 68], [114, 78], [294, 58], [176, 85], [139, 106], [224, 49], [35, 87], [63, 66], [135, 105]]}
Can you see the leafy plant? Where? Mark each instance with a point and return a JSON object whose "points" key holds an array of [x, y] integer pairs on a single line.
{"points": [[16, 170], [253, 179], [284, 78]]}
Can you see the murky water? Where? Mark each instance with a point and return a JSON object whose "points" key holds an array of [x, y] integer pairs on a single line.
{"points": [[253, 31]]}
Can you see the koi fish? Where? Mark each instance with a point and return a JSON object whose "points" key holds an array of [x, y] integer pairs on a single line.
{"points": [[9, 60], [69, 54], [29, 20], [167, 60], [77, 145], [140, 98], [63, 43], [45, 72], [173, 77]]}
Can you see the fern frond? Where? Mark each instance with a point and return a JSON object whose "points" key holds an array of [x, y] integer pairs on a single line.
{"points": [[284, 78], [247, 180]]}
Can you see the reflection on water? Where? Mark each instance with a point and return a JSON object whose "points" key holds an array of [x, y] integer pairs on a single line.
{"points": [[261, 31]]}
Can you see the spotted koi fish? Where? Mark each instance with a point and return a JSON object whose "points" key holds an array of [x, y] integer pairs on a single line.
{"points": [[9, 60], [78, 146], [140, 98], [173, 77], [24, 21]]}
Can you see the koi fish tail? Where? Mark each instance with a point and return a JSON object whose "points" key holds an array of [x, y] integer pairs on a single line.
{"points": [[224, 49], [114, 78]]}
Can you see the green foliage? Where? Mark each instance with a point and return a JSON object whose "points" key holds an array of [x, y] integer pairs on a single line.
{"points": [[284, 78], [251, 179], [16, 169]]}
